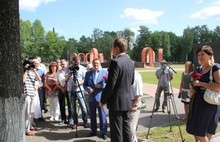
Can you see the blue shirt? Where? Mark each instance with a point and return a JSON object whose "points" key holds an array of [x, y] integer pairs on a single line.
{"points": [[41, 74]]}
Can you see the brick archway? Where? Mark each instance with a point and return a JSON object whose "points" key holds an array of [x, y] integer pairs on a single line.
{"points": [[93, 54], [84, 57], [87, 54], [101, 57], [160, 54], [149, 57]]}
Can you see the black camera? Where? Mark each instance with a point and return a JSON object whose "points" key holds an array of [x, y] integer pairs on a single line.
{"points": [[74, 67], [28, 65]]}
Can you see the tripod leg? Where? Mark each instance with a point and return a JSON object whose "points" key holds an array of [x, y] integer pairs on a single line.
{"points": [[169, 110], [174, 107], [151, 117], [176, 113]]}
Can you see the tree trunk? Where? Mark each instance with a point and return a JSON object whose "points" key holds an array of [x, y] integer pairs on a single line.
{"points": [[11, 87]]}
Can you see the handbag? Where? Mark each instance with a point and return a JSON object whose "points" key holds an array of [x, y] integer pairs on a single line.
{"points": [[211, 97]]}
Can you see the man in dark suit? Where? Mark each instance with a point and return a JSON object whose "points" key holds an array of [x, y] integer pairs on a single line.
{"points": [[117, 93], [94, 83]]}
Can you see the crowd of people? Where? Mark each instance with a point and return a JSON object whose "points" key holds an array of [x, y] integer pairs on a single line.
{"points": [[119, 87]]}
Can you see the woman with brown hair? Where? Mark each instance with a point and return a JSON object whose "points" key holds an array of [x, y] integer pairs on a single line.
{"points": [[203, 119], [52, 91]]}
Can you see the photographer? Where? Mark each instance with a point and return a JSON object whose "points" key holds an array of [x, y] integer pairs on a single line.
{"points": [[75, 78], [164, 75], [29, 77]]}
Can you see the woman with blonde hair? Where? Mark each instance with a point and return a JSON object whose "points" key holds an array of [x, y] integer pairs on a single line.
{"points": [[184, 92]]}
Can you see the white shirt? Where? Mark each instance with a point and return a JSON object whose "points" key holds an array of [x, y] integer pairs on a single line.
{"points": [[60, 77], [137, 86]]}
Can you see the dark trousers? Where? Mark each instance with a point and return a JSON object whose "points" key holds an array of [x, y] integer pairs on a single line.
{"points": [[61, 97], [158, 94], [41, 97], [119, 126]]}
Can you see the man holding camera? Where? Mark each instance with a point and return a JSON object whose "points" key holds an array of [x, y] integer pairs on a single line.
{"points": [[164, 75], [29, 77], [75, 78]]}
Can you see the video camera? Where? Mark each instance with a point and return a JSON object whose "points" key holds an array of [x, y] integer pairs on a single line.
{"points": [[28, 64], [74, 67]]}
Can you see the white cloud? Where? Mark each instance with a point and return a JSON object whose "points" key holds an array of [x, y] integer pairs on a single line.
{"points": [[211, 11], [216, 2], [31, 5], [200, 1], [139, 16], [207, 13]]}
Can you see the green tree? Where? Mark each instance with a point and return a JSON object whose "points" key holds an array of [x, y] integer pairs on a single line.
{"points": [[85, 44], [166, 45], [26, 40], [174, 47], [216, 34], [187, 42], [142, 40], [54, 46], [156, 41], [38, 37], [106, 44]]}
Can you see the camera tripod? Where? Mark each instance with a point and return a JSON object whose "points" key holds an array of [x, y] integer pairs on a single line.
{"points": [[169, 101], [75, 80]]}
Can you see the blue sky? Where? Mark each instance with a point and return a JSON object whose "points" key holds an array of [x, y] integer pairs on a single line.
{"points": [[74, 18]]}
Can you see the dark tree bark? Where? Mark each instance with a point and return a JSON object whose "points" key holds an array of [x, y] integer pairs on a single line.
{"points": [[11, 87]]}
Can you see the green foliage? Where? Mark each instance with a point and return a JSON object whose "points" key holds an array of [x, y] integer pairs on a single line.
{"points": [[49, 45]]}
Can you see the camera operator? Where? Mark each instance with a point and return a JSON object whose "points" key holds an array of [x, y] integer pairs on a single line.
{"points": [[164, 75], [29, 77], [75, 78]]}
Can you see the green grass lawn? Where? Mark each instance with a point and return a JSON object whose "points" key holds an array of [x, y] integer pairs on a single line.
{"points": [[148, 75], [162, 134]]}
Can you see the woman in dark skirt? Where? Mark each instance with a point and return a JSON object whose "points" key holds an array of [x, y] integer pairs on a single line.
{"points": [[203, 119]]}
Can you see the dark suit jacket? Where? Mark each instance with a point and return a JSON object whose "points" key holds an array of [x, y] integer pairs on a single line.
{"points": [[117, 93]]}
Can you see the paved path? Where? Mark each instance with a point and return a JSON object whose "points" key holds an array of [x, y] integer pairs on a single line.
{"points": [[52, 131]]}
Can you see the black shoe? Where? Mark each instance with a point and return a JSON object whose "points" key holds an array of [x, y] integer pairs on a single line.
{"points": [[156, 109], [104, 137], [91, 134], [41, 119], [86, 125], [45, 110]]}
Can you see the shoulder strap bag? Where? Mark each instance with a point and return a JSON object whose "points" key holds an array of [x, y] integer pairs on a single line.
{"points": [[212, 97]]}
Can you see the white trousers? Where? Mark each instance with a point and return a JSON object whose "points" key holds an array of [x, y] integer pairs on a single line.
{"points": [[54, 106], [29, 112], [133, 122]]}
